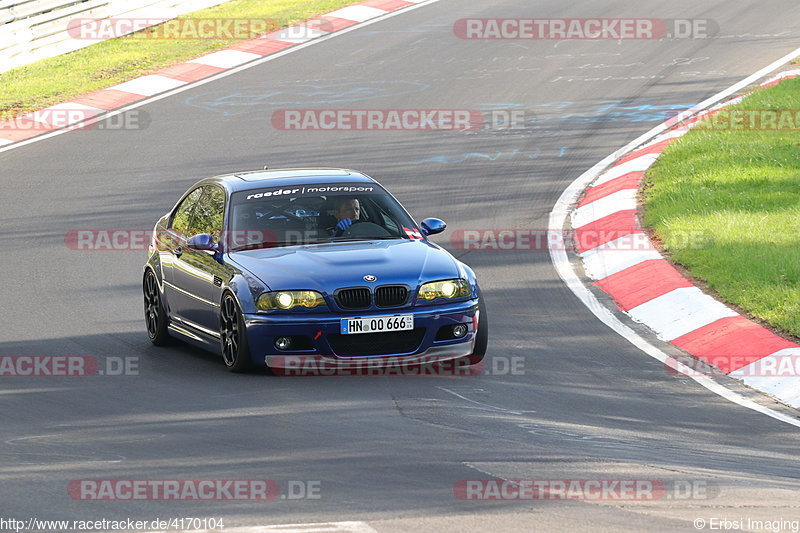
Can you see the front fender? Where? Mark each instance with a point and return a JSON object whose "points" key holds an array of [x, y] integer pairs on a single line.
{"points": [[468, 274], [154, 263], [247, 289]]}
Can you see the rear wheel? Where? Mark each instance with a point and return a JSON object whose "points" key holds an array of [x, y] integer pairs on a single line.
{"points": [[154, 314], [482, 337], [233, 337]]}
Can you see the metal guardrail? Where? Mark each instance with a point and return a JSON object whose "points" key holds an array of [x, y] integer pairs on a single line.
{"points": [[31, 30]]}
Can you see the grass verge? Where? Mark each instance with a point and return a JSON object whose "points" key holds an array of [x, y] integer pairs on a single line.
{"points": [[738, 190], [61, 78]]}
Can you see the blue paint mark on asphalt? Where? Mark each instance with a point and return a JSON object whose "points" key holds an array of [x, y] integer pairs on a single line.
{"points": [[606, 111], [508, 155], [304, 95]]}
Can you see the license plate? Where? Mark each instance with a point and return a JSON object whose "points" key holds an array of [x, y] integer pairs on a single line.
{"points": [[380, 324]]}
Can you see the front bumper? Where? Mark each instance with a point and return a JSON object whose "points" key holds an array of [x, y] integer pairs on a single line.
{"points": [[263, 329]]}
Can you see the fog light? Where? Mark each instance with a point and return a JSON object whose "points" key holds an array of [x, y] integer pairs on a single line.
{"points": [[459, 330], [283, 343]]}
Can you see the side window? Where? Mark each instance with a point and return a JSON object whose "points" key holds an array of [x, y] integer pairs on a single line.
{"points": [[209, 213], [183, 215]]}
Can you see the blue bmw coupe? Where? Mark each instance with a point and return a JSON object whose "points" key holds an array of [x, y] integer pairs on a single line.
{"points": [[263, 266]]}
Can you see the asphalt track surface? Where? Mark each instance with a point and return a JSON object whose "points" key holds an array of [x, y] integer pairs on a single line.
{"points": [[386, 451]]}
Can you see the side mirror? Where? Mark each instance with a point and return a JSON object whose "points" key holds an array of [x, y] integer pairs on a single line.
{"points": [[202, 241], [432, 226]]}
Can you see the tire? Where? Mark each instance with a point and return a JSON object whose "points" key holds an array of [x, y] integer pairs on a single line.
{"points": [[482, 337], [232, 336], [155, 317]]}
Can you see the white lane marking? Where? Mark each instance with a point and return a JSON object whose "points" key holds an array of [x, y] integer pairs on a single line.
{"points": [[357, 13], [321, 527], [558, 255], [226, 58], [602, 207], [777, 374], [732, 101], [148, 85], [672, 134], [296, 34], [264, 59], [640, 163], [617, 255], [5, 141], [680, 311]]}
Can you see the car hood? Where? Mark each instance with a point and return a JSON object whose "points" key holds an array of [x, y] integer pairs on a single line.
{"points": [[330, 266]]}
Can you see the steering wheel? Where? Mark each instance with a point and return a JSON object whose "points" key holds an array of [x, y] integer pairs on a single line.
{"points": [[362, 228]]}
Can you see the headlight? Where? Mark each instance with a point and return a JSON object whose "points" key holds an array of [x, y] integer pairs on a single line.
{"points": [[289, 300], [450, 288]]}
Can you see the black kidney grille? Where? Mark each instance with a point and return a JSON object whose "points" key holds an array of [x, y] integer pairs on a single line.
{"points": [[399, 342], [391, 295], [360, 298]]}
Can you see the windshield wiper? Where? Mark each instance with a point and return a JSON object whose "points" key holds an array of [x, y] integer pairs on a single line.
{"points": [[351, 239], [279, 244]]}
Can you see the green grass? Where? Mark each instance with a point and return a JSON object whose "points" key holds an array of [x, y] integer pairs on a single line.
{"points": [[61, 78], [740, 192]]}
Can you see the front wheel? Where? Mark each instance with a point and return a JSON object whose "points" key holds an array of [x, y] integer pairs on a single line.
{"points": [[233, 337], [481, 337], [154, 314]]}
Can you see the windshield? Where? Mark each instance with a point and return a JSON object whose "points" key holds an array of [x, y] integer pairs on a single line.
{"points": [[313, 214]]}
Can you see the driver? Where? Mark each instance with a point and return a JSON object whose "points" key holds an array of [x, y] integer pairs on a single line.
{"points": [[347, 210]]}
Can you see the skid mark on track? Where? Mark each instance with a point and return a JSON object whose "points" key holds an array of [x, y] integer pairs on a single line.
{"points": [[482, 404]]}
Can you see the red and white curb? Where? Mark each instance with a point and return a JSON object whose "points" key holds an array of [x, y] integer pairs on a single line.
{"points": [[97, 103], [645, 286]]}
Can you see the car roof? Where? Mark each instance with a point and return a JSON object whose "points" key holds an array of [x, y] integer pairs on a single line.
{"points": [[258, 179]]}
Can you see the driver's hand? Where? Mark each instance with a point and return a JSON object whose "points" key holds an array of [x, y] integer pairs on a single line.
{"points": [[344, 224]]}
